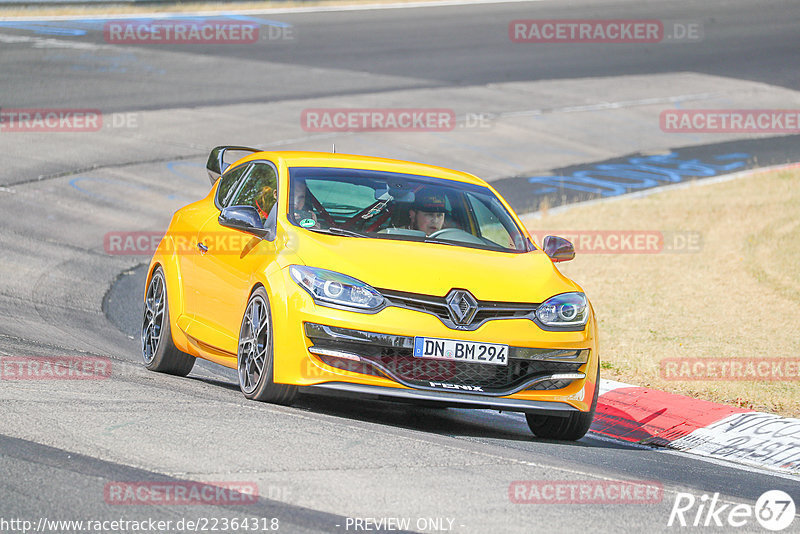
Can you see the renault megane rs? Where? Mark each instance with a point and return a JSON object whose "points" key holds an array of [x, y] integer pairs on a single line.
{"points": [[371, 276]]}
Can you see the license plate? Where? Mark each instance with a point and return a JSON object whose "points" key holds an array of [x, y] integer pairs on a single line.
{"points": [[461, 351]]}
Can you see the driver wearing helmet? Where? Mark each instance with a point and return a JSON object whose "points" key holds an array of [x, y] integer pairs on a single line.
{"points": [[427, 212]]}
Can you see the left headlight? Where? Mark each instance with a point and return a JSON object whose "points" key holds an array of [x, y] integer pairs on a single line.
{"points": [[330, 287], [565, 310]]}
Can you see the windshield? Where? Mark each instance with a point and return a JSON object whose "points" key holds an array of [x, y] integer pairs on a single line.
{"points": [[385, 205]]}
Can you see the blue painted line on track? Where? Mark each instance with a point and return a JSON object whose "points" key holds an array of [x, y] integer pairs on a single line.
{"points": [[171, 166], [637, 173], [78, 28], [113, 181]]}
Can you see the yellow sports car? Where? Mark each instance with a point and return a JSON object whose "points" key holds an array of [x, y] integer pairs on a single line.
{"points": [[371, 276]]}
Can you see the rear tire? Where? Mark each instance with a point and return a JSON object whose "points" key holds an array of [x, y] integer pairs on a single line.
{"points": [[158, 351], [255, 361], [570, 428]]}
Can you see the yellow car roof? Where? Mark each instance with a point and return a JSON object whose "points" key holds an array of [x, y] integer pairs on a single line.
{"points": [[293, 158]]}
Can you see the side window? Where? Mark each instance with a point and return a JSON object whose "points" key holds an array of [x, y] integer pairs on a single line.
{"points": [[227, 183], [490, 225], [260, 190]]}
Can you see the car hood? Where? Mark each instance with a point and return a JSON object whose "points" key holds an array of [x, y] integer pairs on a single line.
{"points": [[434, 269]]}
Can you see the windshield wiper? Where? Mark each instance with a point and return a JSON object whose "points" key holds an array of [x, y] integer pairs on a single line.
{"points": [[484, 246], [443, 242], [335, 230]]}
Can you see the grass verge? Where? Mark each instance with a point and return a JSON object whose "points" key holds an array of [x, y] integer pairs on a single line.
{"points": [[736, 294]]}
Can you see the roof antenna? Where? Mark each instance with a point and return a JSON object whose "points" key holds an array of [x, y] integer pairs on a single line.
{"points": [[333, 150]]}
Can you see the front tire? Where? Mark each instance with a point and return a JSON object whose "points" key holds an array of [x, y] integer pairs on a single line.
{"points": [[255, 359], [158, 351], [570, 428]]}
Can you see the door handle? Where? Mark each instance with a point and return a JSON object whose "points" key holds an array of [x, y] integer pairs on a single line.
{"points": [[203, 248]]}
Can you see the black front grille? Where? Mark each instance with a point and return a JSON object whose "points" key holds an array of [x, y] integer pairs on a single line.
{"points": [[413, 301], [487, 310], [399, 364]]}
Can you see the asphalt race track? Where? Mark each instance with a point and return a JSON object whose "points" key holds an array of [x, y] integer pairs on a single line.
{"points": [[525, 112]]}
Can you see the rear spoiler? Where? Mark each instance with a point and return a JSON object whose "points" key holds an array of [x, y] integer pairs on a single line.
{"points": [[216, 164]]}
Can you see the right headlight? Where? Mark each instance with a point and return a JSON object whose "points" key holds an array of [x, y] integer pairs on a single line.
{"points": [[567, 309]]}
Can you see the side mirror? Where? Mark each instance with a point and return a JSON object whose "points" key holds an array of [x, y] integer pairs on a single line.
{"points": [[558, 248], [244, 218]]}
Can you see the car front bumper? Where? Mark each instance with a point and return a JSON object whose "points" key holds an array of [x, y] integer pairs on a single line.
{"points": [[371, 353]]}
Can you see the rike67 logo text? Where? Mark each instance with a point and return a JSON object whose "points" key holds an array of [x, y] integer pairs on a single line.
{"points": [[774, 510]]}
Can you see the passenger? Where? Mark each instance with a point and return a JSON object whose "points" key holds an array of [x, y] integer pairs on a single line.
{"points": [[269, 197], [266, 202]]}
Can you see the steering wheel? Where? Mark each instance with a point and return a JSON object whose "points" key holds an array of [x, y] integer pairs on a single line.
{"points": [[456, 234]]}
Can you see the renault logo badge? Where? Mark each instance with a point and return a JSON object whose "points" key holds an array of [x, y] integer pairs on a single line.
{"points": [[462, 306]]}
